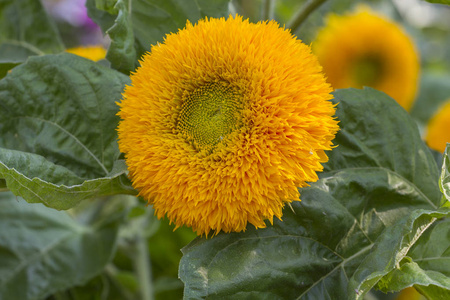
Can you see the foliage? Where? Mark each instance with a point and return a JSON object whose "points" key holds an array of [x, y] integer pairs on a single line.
{"points": [[376, 220], [58, 141], [43, 250]]}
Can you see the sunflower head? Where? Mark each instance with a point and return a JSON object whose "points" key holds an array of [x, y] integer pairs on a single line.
{"points": [[209, 114], [94, 53], [437, 132], [223, 122], [364, 49]]}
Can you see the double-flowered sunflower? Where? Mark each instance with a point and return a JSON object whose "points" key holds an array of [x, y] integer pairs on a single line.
{"points": [[364, 49], [223, 121]]}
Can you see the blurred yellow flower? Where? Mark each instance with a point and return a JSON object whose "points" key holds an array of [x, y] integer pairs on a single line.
{"points": [[409, 293], [94, 53], [364, 49], [438, 130], [222, 123]]}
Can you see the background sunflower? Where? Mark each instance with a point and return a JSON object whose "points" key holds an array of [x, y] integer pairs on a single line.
{"points": [[94, 53], [365, 49], [437, 133]]}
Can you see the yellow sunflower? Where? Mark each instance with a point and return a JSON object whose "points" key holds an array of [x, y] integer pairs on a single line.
{"points": [[222, 123], [438, 130], [94, 53], [364, 49]]}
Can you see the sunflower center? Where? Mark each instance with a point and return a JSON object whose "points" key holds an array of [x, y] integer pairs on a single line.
{"points": [[368, 71], [209, 113]]}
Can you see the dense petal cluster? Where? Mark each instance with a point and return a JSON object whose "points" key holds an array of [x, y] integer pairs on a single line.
{"points": [[94, 53], [223, 121], [364, 49], [437, 133]]}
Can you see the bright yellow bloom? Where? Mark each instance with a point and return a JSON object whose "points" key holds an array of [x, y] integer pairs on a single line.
{"points": [[223, 122], [363, 49], [94, 53], [438, 129]]}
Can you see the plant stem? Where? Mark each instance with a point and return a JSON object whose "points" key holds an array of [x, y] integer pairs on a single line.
{"points": [[303, 13], [267, 9], [143, 268]]}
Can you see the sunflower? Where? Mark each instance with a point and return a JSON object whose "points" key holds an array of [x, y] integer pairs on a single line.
{"points": [[437, 133], [223, 121], [94, 53], [364, 49]]}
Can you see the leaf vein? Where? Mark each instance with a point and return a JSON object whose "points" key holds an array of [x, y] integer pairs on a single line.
{"points": [[73, 137]]}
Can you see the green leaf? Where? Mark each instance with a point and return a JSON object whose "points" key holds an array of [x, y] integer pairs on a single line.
{"points": [[380, 178], [391, 248], [38, 180], [102, 12], [142, 23], [426, 266], [25, 23], [58, 143], [375, 133], [444, 180], [44, 250], [122, 53]]}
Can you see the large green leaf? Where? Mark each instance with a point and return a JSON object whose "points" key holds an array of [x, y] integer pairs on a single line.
{"points": [[38, 180], [142, 23], [58, 143], [375, 133], [427, 265], [391, 249], [380, 178], [43, 250], [25, 24]]}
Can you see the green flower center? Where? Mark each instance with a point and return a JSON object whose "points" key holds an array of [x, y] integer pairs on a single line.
{"points": [[209, 113], [368, 71]]}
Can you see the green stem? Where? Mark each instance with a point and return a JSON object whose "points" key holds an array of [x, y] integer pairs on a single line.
{"points": [[267, 10], [143, 268], [303, 13]]}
